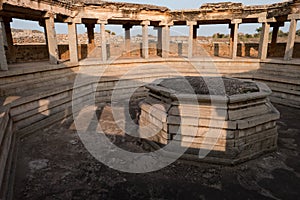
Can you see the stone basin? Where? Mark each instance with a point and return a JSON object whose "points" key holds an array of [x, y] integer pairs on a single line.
{"points": [[233, 119]]}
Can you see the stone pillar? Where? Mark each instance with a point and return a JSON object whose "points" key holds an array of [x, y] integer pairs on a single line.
{"points": [[91, 36], [73, 42], [191, 25], [51, 40], [103, 41], [42, 23], [195, 41], [159, 41], [274, 36], [127, 28], [3, 61], [11, 53], [291, 38], [145, 43], [165, 41], [264, 41], [234, 26]]}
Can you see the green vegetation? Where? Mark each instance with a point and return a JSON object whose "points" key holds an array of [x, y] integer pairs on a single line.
{"points": [[255, 35]]}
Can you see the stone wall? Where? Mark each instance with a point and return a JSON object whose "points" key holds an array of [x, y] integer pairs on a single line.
{"points": [[38, 52]]}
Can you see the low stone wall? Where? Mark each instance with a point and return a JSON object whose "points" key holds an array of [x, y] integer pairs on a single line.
{"points": [[39, 52], [26, 53]]}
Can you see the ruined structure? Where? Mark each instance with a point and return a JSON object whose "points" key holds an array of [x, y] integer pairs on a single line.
{"points": [[36, 95], [235, 127]]}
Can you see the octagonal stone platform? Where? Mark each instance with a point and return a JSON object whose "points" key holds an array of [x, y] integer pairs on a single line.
{"points": [[234, 125]]}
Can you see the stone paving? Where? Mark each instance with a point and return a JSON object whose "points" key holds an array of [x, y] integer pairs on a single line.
{"points": [[53, 164]]}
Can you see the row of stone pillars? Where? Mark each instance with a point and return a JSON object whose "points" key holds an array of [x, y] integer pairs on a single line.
{"points": [[163, 39]]}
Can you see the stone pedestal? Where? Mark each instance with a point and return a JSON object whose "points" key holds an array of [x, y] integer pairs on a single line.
{"points": [[232, 128]]}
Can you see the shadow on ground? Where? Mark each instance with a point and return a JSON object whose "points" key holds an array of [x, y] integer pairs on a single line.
{"points": [[53, 164]]}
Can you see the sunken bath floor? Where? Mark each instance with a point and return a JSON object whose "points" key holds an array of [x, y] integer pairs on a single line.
{"points": [[53, 164]]}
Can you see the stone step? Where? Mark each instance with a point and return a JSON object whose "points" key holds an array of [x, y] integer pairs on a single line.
{"points": [[283, 79], [45, 122], [280, 67], [284, 90], [4, 122], [41, 71], [286, 102], [5, 151], [276, 72], [281, 85], [295, 98], [21, 87]]}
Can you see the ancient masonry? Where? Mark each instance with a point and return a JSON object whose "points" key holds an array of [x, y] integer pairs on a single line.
{"points": [[234, 127], [36, 95]]}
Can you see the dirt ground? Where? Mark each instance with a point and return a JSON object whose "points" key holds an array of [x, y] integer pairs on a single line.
{"points": [[54, 164]]}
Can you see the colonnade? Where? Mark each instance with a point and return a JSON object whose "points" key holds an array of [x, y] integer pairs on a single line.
{"points": [[6, 41]]}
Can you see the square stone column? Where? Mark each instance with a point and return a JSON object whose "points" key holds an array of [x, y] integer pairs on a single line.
{"points": [[195, 41], [264, 41], [291, 38], [234, 30], [275, 32], [191, 25], [11, 53], [103, 41], [145, 43], [3, 61], [51, 40], [73, 42], [91, 36], [165, 41], [127, 28], [159, 40]]}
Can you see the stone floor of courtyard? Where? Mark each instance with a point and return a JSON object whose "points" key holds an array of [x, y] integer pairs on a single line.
{"points": [[54, 164]]}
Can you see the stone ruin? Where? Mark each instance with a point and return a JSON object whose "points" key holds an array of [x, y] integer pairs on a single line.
{"points": [[233, 127], [35, 97]]}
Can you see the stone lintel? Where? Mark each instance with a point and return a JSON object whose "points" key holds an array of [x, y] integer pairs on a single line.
{"points": [[50, 14], [191, 23], [146, 22], [166, 23], [101, 21], [236, 21], [268, 20], [77, 20], [69, 20], [293, 16]]}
